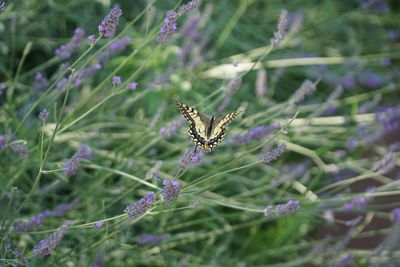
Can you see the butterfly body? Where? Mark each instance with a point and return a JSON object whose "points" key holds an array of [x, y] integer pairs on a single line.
{"points": [[206, 132]]}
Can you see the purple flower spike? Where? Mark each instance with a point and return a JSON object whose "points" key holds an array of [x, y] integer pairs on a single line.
{"points": [[65, 51], [44, 114], [190, 157], [20, 149], [40, 81], [167, 131], [149, 239], [110, 22], [46, 246], [282, 209], [189, 7], [275, 153], [2, 6], [396, 215], [71, 166], [168, 28], [170, 191], [117, 80], [140, 207], [3, 140], [91, 39], [279, 35], [118, 45]]}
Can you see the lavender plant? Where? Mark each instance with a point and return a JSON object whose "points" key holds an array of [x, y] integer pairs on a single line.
{"points": [[97, 170]]}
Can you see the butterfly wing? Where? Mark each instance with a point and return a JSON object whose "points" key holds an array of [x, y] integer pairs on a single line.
{"points": [[219, 128], [198, 123]]}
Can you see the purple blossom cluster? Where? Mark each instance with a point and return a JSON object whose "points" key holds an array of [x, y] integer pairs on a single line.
{"points": [[71, 166], [109, 24], [2, 6], [3, 140], [359, 203], [44, 114], [140, 207], [171, 128], [396, 215], [169, 26], [46, 246], [256, 134], [118, 45], [377, 6], [35, 221], [20, 149], [66, 51], [191, 156], [171, 190], [79, 77], [40, 81], [307, 88], [282, 209], [275, 153], [389, 117], [117, 80], [280, 34], [150, 239]]}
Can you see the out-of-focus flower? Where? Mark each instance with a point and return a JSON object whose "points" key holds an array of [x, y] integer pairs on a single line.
{"points": [[171, 190], [378, 6], [275, 153], [307, 88], [2, 6], [279, 35], [65, 51], [91, 39], [150, 239], [110, 22], [40, 81], [191, 155], [389, 117], [71, 166], [98, 262], [132, 86], [233, 86], [359, 203], [346, 261], [386, 164], [282, 209], [99, 224], [20, 149], [396, 215], [189, 7], [167, 130], [46, 246], [44, 114], [370, 79], [3, 140], [118, 45], [256, 134], [117, 80], [140, 207], [347, 82]]}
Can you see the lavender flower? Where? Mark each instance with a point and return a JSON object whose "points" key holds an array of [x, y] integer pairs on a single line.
{"points": [[386, 164], [282, 209], [191, 155], [370, 79], [170, 191], [117, 80], [386, 62], [65, 51], [279, 35], [359, 203], [167, 131], [33, 222], [140, 207], [389, 117], [61, 84], [99, 224], [91, 39], [396, 215], [149, 239], [168, 28], [2, 6], [64, 208], [71, 166], [98, 262], [118, 45], [44, 114], [189, 7], [275, 153], [46, 246], [256, 134], [40, 81], [378, 6], [132, 86], [307, 88], [3, 140], [110, 22], [347, 82], [393, 35], [20, 149]]}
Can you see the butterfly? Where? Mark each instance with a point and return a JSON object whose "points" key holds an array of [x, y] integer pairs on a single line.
{"points": [[205, 132]]}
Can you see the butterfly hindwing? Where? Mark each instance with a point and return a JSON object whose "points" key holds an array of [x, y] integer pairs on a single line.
{"points": [[219, 128]]}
